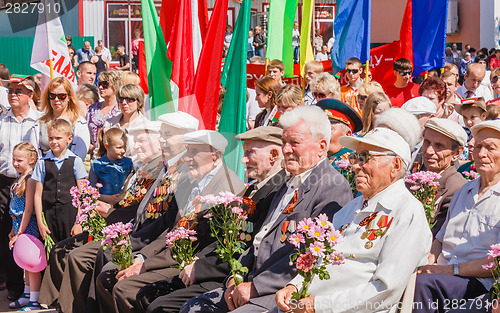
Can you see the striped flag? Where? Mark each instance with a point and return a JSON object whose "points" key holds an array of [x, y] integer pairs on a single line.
{"points": [[306, 50], [279, 38], [352, 32]]}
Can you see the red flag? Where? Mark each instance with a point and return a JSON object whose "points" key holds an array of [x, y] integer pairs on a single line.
{"points": [[143, 71], [207, 80], [382, 58], [405, 35]]}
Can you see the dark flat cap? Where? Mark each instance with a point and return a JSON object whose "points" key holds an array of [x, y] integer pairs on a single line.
{"points": [[269, 134]]}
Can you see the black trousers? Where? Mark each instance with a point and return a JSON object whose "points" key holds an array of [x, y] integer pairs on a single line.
{"points": [[169, 295], [13, 274]]}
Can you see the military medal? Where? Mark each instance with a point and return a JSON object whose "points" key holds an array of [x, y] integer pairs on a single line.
{"points": [[283, 231], [368, 245], [364, 235], [248, 237]]}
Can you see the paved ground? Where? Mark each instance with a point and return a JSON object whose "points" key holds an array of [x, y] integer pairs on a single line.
{"points": [[4, 304]]}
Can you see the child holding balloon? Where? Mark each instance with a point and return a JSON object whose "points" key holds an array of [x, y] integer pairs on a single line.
{"points": [[23, 218]]}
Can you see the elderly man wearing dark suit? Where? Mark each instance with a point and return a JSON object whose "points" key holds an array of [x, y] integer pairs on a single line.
{"points": [[444, 141], [57, 270], [116, 292], [315, 187], [263, 162], [77, 287]]}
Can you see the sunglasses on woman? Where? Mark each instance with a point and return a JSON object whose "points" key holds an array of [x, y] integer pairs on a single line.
{"points": [[126, 99], [318, 95], [104, 84], [494, 79], [60, 96]]}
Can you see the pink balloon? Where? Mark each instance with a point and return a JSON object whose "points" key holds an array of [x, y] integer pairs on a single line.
{"points": [[29, 253]]}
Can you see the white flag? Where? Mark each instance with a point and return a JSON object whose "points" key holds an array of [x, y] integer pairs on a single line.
{"points": [[50, 43]]}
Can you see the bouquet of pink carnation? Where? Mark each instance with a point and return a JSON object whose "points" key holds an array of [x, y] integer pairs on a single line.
{"points": [[494, 267], [88, 217], [470, 175], [315, 241], [116, 237], [226, 224], [181, 242], [424, 188], [345, 168]]}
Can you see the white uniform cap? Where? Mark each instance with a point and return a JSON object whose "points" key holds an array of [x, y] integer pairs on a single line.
{"points": [[180, 120], [152, 127], [206, 137], [383, 138], [420, 105], [448, 128]]}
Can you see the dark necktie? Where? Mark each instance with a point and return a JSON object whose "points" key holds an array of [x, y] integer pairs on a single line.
{"points": [[468, 93]]}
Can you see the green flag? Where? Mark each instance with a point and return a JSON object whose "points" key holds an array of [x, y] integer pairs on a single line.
{"points": [[159, 67], [279, 38], [234, 79]]}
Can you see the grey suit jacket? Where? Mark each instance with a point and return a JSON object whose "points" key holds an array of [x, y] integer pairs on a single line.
{"points": [[324, 191]]}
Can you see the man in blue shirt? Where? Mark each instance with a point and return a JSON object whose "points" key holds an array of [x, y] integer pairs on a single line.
{"points": [[85, 53]]}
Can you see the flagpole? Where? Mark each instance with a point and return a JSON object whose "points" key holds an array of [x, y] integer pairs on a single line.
{"points": [[367, 79], [51, 69]]}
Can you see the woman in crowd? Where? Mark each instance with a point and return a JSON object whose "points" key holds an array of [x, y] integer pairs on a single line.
{"points": [[87, 95], [288, 98], [131, 104], [365, 90], [323, 86], [266, 90], [108, 82], [495, 85], [376, 103], [434, 89], [59, 101]]}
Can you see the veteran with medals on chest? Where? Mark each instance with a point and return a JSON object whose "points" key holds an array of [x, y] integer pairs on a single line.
{"points": [[385, 235]]}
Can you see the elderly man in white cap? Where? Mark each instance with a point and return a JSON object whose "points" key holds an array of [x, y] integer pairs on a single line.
{"points": [[116, 291], [385, 230], [421, 107], [460, 249], [444, 142], [66, 282]]}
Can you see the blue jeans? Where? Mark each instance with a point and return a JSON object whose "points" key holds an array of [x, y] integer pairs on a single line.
{"points": [[259, 52], [296, 54]]}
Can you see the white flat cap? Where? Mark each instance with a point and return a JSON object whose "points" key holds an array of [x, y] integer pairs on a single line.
{"points": [[383, 138], [420, 105], [152, 127], [180, 120], [448, 128], [494, 125], [206, 137]]}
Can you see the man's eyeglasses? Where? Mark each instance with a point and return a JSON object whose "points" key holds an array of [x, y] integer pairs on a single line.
{"points": [[362, 97], [355, 71], [319, 95], [17, 92], [403, 73], [365, 156], [104, 84], [60, 96], [494, 79], [126, 99]]}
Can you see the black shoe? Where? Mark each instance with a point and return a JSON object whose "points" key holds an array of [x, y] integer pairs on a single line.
{"points": [[13, 295]]}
